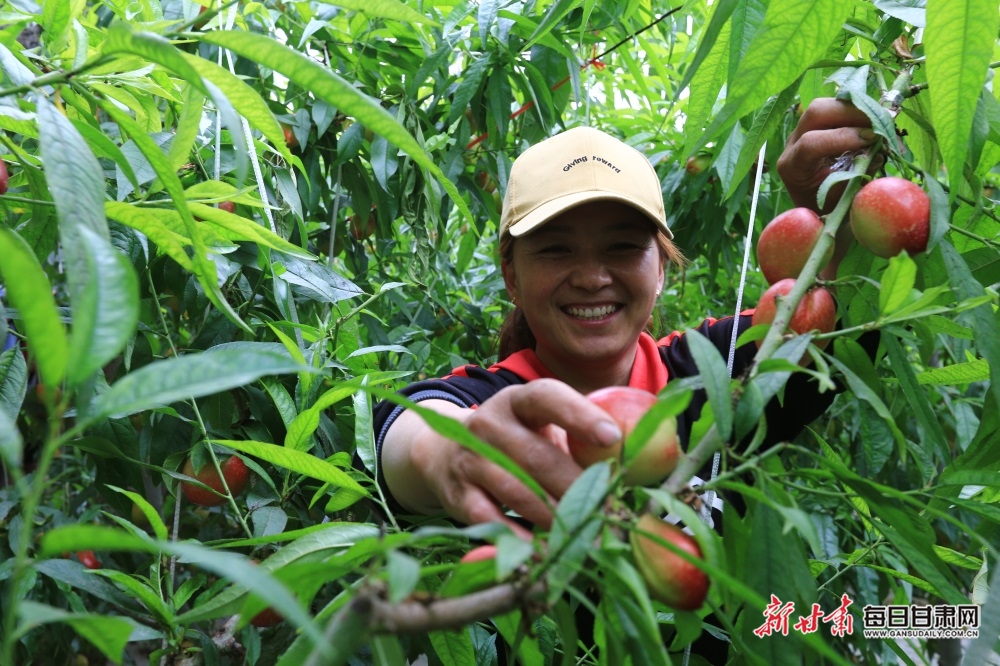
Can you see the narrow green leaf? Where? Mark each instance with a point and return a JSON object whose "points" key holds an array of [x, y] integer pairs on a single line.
{"points": [[403, 575], [920, 405], [984, 319], [959, 40], [76, 181], [245, 100], [106, 310], [897, 282], [29, 290], [556, 11], [940, 211], [863, 392], [56, 15], [14, 69], [245, 229], [231, 566], [107, 634], [579, 503], [122, 38], [707, 72], [326, 85], [321, 540], [202, 267], [855, 88], [11, 443], [154, 224], [188, 125], [148, 510], [390, 9], [715, 376], [765, 122], [105, 147], [453, 647], [794, 35], [13, 379], [297, 461], [194, 375], [959, 373], [299, 434]]}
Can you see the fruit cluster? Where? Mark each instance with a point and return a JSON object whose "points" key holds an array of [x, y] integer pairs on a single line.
{"points": [[670, 578], [889, 215]]}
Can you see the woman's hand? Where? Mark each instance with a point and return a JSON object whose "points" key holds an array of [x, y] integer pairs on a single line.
{"points": [[528, 423], [827, 130]]}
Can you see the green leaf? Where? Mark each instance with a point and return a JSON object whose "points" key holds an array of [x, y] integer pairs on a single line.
{"points": [[940, 211], [319, 541], [156, 225], [122, 38], [390, 9], [13, 379], [221, 368], [709, 79], [897, 282], [105, 147], [107, 634], [959, 41], [148, 510], [794, 35], [453, 647], [984, 319], [29, 290], [855, 88], [11, 443], [920, 405], [202, 267], [403, 574], [244, 229], [579, 503], [765, 123], [76, 181], [245, 100], [231, 566], [959, 373], [326, 85], [106, 309], [297, 461], [715, 376]]}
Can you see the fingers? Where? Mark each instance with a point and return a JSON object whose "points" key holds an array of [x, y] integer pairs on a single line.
{"points": [[825, 144], [548, 401], [829, 113]]}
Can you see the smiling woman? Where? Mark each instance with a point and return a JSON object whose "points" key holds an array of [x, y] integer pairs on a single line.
{"points": [[584, 245]]}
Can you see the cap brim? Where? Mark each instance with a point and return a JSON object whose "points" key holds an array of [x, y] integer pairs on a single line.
{"points": [[550, 209]]}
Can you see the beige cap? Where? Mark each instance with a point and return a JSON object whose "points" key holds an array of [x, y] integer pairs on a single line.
{"points": [[574, 167]]}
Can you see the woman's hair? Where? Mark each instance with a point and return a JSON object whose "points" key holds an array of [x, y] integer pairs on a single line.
{"points": [[515, 334]]}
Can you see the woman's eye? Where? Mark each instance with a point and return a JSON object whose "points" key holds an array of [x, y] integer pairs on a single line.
{"points": [[553, 249]]}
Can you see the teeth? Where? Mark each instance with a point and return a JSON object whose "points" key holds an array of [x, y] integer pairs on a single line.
{"points": [[592, 313]]}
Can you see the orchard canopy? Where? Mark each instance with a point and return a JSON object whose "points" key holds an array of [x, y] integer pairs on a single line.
{"points": [[230, 227]]}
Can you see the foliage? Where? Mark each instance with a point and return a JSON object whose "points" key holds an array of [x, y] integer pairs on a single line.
{"points": [[147, 324]]}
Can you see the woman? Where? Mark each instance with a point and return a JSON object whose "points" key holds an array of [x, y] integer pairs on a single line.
{"points": [[584, 245]]}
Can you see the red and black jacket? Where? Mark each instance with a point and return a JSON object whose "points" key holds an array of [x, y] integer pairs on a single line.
{"points": [[657, 362]]}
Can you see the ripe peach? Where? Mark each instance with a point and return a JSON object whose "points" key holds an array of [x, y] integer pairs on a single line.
{"points": [[891, 214], [670, 578], [787, 241], [816, 311]]}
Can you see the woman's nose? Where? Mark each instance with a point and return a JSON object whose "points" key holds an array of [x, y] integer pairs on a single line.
{"points": [[591, 275]]}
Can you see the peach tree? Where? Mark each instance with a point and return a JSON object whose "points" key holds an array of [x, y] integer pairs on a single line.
{"points": [[228, 227]]}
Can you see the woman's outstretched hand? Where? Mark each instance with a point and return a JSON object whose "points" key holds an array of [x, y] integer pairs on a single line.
{"points": [[529, 423]]}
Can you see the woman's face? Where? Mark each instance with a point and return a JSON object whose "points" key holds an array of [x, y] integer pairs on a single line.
{"points": [[587, 281]]}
